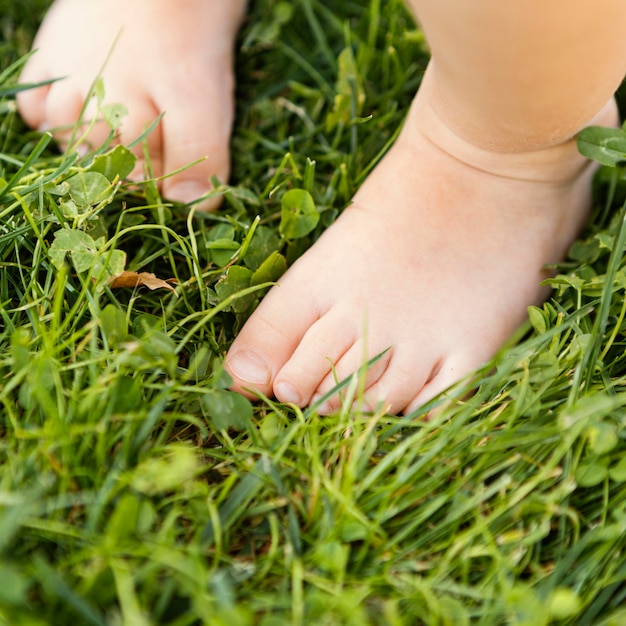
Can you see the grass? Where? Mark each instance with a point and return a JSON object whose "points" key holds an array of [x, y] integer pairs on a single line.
{"points": [[135, 489]]}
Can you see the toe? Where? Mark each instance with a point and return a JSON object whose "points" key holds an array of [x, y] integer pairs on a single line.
{"points": [[32, 107], [353, 361], [32, 102], [452, 372], [62, 108], [270, 337], [132, 132], [196, 127], [313, 360], [408, 371]]}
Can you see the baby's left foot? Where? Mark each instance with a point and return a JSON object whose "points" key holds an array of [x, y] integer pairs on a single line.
{"points": [[162, 57], [436, 261]]}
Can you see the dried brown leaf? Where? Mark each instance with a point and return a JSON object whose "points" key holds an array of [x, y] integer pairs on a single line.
{"points": [[131, 280]]}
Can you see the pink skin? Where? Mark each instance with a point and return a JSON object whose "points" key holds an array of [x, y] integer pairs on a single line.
{"points": [[197, 97], [437, 260], [445, 244]]}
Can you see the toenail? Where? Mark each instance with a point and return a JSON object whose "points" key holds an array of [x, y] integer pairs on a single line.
{"points": [[249, 367], [360, 406], [81, 149], [287, 393], [326, 408], [323, 409]]}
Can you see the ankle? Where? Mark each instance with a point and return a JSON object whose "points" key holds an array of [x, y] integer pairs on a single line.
{"points": [[557, 162]]}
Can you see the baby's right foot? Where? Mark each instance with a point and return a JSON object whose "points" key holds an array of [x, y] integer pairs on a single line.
{"points": [[171, 56], [435, 262]]}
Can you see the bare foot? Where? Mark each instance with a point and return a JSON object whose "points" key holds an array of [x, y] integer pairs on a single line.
{"points": [[437, 259], [171, 56]]}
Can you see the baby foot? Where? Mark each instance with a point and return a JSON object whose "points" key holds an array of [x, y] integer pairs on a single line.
{"points": [[165, 56], [436, 260]]}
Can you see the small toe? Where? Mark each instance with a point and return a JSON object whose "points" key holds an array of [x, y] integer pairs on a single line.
{"points": [[313, 360], [67, 117], [451, 373], [62, 107], [32, 102], [354, 361], [409, 370], [31, 105]]}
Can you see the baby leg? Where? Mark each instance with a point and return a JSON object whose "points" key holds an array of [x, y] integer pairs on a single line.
{"points": [[162, 56], [445, 244]]}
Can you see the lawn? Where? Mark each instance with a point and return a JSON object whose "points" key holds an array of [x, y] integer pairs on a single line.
{"points": [[136, 489]]}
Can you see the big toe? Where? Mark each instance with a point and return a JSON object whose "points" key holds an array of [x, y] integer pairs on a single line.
{"points": [[269, 339], [196, 130]]}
